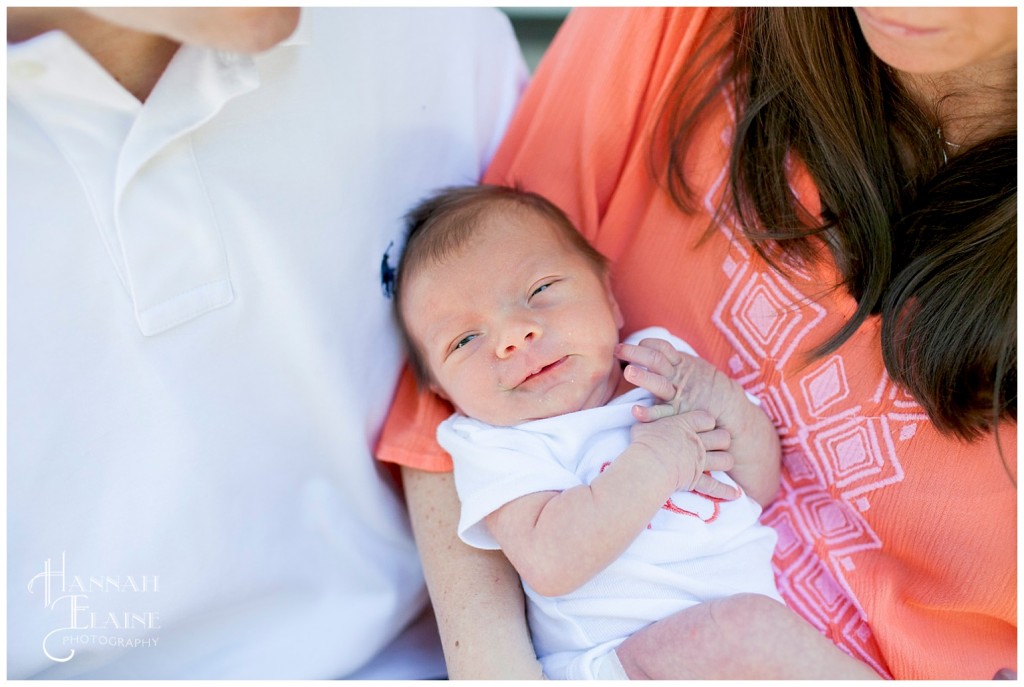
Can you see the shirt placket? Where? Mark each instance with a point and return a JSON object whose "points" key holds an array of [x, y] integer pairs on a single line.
{"points": [[137, 166], [169, 233]]}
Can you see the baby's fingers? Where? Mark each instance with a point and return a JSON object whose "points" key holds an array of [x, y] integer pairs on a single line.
{"points": [[723, 461], [716, 440], [671, 355], [709, 486], [656, 355], [652, 413], [657, 384]]}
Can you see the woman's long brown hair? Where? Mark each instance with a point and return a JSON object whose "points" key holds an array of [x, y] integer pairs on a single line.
{"points": [[929, 245]]}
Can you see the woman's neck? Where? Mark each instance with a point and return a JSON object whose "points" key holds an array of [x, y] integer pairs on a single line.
{"points": [[971, 104]]}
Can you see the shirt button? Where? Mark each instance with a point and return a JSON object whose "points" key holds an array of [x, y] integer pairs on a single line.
{"points": [[26, 69]]}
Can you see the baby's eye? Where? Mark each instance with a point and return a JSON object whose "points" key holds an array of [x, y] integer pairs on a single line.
{"points": [[542, 287], [464, 341]]}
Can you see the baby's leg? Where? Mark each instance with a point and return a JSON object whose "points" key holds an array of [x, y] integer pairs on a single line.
{"points": [[747, 636]]}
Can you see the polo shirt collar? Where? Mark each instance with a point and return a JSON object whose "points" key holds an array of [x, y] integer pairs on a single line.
{"points": [[173, 267]]}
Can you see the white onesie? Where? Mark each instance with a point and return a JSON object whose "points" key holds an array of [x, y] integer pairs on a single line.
{"points": [[695, 549]]}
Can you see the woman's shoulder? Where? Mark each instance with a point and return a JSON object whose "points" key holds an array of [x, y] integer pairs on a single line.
{"points": [[622, 40]]}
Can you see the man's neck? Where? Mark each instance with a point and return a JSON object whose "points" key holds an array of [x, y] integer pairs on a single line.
{"points": [[135, 59]]}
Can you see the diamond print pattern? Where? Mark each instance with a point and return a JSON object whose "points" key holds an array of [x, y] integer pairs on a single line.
{"points": [[763, 316], [826, 386], [834, 455]]}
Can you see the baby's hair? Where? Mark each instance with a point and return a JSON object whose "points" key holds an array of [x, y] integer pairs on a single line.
{"points": [[442, 224]]}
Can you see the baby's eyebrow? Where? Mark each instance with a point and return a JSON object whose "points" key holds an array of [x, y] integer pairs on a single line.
{"points": [[440, 336]]}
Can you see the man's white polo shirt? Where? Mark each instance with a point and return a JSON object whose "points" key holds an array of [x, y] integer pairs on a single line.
{"points": [[199, 352]]}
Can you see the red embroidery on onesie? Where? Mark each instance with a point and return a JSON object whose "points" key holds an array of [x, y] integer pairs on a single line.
{"points": [[716, 508], [671, 507]]}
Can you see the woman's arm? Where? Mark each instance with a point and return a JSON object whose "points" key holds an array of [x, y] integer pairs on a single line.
{"points": [[477, 596]]}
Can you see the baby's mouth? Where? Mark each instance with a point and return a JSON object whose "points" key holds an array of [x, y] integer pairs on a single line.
{"points": [[550, 367]]}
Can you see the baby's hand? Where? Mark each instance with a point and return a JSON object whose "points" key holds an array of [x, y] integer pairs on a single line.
{"points": [[689, 446], [682, 381], [686, 383]]}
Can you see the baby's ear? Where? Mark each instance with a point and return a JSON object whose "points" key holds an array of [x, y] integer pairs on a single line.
{"points": [[620, 321]]}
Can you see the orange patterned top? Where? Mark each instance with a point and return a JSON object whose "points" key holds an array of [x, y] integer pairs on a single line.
{"points": [[897, 542]]}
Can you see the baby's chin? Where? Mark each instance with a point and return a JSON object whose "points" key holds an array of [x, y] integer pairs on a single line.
{"points": [[550, 405], [508, 419]]}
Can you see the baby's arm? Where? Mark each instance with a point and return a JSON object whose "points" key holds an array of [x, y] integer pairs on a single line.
{"points": [[559, 540], [688, 383]]}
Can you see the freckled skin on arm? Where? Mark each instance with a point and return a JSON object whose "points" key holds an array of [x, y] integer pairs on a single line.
{"points": [[477, 596]]}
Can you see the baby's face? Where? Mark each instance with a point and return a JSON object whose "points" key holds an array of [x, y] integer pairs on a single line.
{"points": [[517, 325]]}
